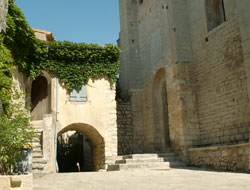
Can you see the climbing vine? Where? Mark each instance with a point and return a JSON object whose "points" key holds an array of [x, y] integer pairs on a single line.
{"points": [[5, 76], [73, 63]]}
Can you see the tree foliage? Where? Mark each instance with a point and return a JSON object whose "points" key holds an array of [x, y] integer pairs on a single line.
{"points": [[16, 132]]}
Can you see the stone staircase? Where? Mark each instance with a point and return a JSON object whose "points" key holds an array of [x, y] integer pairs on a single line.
{"points": [[160, 161], [38, 160]]}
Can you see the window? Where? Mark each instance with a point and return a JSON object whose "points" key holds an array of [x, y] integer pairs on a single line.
{"points": [[215, 12], [78, 95]]}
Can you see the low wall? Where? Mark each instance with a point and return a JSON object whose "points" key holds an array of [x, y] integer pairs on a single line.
{"points": [[18, 182], [230, 157]]}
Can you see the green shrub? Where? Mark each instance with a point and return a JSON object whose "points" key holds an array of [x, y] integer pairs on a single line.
{"points": [[16, 132]]}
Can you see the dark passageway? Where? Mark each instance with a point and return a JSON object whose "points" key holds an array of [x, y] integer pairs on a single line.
{"points": [[74, 152]]}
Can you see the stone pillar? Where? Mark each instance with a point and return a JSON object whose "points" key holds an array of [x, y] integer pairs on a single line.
{"points": [[182, 109], [110, 138], [3, 14], [49, 143]]}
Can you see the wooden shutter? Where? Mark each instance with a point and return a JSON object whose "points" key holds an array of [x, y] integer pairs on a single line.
{"points": [[83, 94], [73, 95]]}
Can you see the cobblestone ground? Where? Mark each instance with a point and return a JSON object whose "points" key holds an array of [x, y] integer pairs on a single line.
{"points": [[181, 179]]}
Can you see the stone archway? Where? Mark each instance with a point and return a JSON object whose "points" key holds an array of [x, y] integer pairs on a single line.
{"points": [[96, 142], [39, 98], [160, 112]]}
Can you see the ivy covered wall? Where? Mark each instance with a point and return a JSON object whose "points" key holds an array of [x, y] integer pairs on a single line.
{"points": [[72, 63]]}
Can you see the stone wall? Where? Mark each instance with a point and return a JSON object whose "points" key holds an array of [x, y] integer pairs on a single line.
{"points": [[3, 14], [96, 118], [206, 73], [49, 143], [124, 127], [154, 41], [219, 78], [233, 158]]}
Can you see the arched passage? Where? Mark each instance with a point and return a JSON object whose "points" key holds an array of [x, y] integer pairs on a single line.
{"points": [[160, 112], [39, 98], [95, 140]]}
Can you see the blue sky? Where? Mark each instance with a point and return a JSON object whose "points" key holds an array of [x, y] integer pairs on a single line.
{"points": [[88, 21]]}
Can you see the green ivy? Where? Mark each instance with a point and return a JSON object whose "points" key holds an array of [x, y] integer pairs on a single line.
{"points": [[6, 73], [73, 63], [21, 40]]}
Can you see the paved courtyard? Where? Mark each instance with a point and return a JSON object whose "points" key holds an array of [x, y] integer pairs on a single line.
{"points": [[182, 179]]}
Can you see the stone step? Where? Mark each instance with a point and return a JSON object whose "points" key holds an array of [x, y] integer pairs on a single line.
{"points": [[37, 154], [39, 161], [37, 123], [37, 166], [150, 156], [37, 147], [147, 161], [134, 166], [139, 160], [119, 157], [38, 131], [131, 156], [36, 143], [38, 128], [37, 151]]}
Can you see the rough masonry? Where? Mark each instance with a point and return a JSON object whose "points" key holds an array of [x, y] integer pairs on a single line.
{"points": [[189, 64], [3, 14]]}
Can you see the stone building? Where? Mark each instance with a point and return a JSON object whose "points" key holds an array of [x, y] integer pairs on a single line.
{"points": [[185, 80], [3, 14], [90, 111]]}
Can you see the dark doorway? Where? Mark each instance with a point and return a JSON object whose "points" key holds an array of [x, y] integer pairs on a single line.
{"points": [[39, 98], [74, 152]]}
